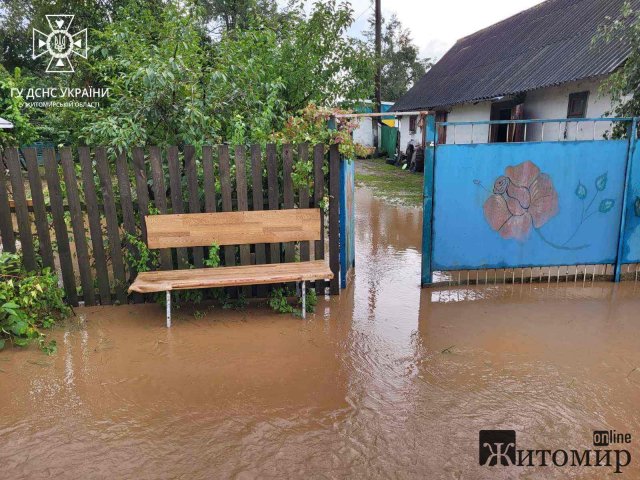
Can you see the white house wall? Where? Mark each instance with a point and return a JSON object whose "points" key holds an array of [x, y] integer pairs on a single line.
{"points": [[364, 133], [469, 112], [405, 135], [553, 103], [547, 103]]}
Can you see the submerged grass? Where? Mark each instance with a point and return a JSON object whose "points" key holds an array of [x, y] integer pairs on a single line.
{"points": [[390, 182]]}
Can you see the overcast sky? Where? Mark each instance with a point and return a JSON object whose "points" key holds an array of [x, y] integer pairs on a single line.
{"points": [[436, 25]]}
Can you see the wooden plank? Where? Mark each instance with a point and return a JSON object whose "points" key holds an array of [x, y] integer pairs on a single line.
{"points": [[191, 172], [39, 207], [334, 222], [59, 225], [210, 201], [22, 211], [288, 200], [303, 198], [227, 205], [318, 195], [95, 225], [142, 189], [6, 223], [160, 198], [128, 215], [233, 228], [77, 223], [243, 201], [273, 194], [177, 201], [113, 231], [230, 276], [257, 196]]}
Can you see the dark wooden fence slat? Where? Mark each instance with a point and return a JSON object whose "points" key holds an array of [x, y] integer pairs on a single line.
{"points": [[191, 171], [142, 189], [303, 198], [59, 225], [243, 200], [177, 201], [288, 199], [243, 203], [318, 195], [273, 194], [22, 210], [257, 195], [227, 203], [6, 224], [77, 223], [160, 199], [95, 225], [126, 204], [334, 212], [39, 207], [209, 180], [113, 231]]}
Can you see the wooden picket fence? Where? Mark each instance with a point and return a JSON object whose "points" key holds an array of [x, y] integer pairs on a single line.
{"points": [[75, 216]]}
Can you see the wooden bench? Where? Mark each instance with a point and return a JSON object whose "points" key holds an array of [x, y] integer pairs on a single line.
{"points": [[232, 228]]}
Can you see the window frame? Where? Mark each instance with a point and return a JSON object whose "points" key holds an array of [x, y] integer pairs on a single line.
{"points": [[575, 97], [413, 123]]}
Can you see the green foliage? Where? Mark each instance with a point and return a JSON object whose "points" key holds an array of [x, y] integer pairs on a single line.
{"points": [[192, 72], [144, 260], [279, 301], [29, 302], [15, 110], [213, 256], [401, 64], [622, 85]]}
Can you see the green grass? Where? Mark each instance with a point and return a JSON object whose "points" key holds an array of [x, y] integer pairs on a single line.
{"points": [[390, 182]]}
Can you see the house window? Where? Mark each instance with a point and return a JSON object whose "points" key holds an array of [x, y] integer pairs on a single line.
{"points": [[578, 105], [413, 120]]}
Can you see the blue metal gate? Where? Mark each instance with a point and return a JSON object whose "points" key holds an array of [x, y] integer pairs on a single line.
{"points": [[572, 198]]}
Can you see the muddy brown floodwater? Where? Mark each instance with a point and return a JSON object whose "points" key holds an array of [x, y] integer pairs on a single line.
{"points": [[388, 381]]}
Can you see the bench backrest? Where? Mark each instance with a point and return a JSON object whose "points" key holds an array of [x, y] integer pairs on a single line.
{"points": [[232, 228]]}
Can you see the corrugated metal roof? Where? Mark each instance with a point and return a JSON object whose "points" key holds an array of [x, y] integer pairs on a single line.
{"points": [[547, 45], [5, 124]]}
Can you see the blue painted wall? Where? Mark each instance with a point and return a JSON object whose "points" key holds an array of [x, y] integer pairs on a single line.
{"points": [[347, 219], [631, 241], [565, 199]]}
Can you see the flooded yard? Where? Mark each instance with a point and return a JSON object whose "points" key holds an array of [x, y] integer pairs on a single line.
{"points": [[387, 381]]}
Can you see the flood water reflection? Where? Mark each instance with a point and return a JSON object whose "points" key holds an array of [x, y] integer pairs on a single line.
{"points": [[387, 381]]}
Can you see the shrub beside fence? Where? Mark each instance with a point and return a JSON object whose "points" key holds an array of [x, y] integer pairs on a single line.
{"points": [[79, 212]]}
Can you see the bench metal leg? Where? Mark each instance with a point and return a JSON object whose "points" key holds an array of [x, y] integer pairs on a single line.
{"points": [[304, 299], [168, 309]]}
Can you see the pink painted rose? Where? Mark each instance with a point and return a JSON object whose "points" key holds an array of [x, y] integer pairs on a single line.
{"points": [[523, 197]]}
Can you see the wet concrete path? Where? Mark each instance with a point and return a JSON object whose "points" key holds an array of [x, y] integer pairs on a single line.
{"points": [[388, 381]]}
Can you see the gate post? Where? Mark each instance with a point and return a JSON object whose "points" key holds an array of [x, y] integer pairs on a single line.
{"points": [[427, 197], [633, 141], [347, 219]]}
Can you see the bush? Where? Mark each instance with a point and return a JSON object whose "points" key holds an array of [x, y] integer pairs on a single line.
{"points": [[29, 302]]}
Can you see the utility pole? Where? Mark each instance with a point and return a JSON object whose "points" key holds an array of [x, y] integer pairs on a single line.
{"points": [[378, 75]]}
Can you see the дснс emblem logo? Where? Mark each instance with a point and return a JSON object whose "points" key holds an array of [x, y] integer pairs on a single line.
{"points": [[59, 43]]}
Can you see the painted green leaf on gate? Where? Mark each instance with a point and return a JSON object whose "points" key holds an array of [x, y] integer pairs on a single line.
{"points": [[601, 182], [606, 205], [581, 191], [637, 206]]}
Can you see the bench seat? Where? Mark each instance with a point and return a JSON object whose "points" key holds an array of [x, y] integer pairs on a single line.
{"points": [[167, 280]]}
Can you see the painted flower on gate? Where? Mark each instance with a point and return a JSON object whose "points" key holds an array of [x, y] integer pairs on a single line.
{"points": [[522, 198]]}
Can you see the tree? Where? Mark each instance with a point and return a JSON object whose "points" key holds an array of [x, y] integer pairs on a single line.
{"points": [[173, 81], [623, 85], [402, 65]]}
